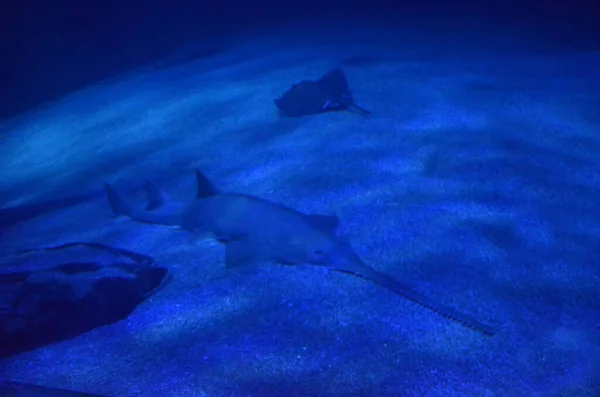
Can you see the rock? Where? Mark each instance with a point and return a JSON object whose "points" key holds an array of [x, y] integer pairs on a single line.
{"points": [[56, 293]]}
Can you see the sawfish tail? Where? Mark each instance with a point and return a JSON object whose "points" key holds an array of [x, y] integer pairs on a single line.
{"points": [[396, 286]]}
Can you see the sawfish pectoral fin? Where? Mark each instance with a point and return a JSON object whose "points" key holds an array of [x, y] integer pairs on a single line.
{"points": [[242, 252]]}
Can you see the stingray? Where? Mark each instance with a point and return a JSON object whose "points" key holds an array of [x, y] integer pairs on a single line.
{"points": [[329, 93]]}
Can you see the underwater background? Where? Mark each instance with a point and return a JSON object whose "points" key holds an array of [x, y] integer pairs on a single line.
{"points": [[475, 181]]}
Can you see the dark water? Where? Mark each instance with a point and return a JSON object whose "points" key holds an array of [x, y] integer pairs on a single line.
{"points": [[52, 48]]}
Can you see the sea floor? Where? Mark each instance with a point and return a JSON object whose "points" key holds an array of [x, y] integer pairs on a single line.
{"points": [[476, 181]]}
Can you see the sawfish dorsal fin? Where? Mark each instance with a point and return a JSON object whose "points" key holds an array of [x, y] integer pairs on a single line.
{"points": [[324, 223], [156, 198], [204, 186]]}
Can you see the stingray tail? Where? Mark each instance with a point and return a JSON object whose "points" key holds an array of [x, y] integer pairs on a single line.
{"points": [[395, 286]]}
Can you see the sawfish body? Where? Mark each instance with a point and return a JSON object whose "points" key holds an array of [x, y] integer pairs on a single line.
{"points": [[255, 230]]}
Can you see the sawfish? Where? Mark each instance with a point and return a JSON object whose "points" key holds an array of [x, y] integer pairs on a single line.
{"points": [[255, 230]]}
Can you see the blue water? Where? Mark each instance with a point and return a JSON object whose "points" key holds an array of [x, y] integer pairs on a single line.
{"points": [[475, 181]]}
